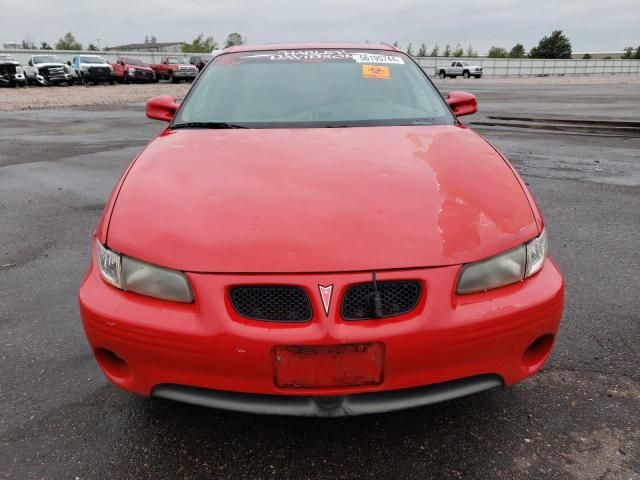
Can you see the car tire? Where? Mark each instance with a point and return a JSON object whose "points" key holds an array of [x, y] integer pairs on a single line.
{"points": [[466, 74], [70, 83], [477, 76], [172, 78], [111, 82], [83, 81], [442, 74]]}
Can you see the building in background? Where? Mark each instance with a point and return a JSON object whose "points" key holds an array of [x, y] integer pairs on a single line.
{"points": [[168, 47]]}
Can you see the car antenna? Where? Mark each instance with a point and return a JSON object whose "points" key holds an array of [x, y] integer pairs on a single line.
{"points": [[375, 300]]}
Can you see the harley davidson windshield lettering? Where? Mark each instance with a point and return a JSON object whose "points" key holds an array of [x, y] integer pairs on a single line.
{"points": [[315, 55], [302, 55]]}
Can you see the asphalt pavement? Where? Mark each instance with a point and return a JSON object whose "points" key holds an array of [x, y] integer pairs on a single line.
{"points": [[578, 419]]}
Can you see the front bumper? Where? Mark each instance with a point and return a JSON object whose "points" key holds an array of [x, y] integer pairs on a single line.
{"points": [[13, 79], [98, 76], [150, 346], [185, 74], [54, 79], [143, 76]]}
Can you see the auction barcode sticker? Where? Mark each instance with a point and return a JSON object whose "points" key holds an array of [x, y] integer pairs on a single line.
{"points": [[375, 58]]}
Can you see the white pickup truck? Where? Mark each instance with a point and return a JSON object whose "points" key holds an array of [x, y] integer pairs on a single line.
{"points": [[460, 67]]}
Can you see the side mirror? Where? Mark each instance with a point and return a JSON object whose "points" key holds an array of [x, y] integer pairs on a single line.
{"points": [[162, 108], [122, 62], [462, 103], [30, 63]]}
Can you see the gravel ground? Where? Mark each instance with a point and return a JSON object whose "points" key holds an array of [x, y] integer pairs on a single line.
{"points": [[33, 98]]}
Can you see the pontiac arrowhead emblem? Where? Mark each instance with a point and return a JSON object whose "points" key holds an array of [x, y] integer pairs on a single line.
{"points": [[325, 296]]}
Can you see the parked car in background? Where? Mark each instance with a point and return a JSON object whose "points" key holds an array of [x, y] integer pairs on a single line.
{"points": [[11, 72], [175, 69], [92, 69], [132, 70], [48, 70], [466, 69], [200, 61]]}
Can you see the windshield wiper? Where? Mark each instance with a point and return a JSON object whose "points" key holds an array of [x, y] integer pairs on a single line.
{"points": [[214, 125]]}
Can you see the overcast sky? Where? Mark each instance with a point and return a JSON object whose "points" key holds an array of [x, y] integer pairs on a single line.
{"points": [[591, 25]]}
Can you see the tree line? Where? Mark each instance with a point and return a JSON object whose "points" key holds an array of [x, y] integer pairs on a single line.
{"points": [[555, 45], [200, 44]]}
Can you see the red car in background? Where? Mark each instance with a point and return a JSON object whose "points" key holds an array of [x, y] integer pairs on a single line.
{"points": [[132, 70], [175, 69], [316, 233]]}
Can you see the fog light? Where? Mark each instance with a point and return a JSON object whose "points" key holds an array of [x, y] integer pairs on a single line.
{"points": [[112, 364], [536, 353]]}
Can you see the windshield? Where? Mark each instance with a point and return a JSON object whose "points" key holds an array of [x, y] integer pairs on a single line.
{"points": [[47, 59], [93, 60], [310, 88], [134, 61], [177, 61]]}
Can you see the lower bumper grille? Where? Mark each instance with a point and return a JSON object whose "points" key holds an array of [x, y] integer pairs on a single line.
{"points": [[7, 69], [271, 303], [397, 297], [99, 72], [144, 75]]}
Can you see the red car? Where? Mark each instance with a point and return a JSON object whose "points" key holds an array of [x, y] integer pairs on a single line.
{"points": [[174, 69], [315, 233], [132, 70]]}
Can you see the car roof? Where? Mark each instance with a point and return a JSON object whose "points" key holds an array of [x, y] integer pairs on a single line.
{"points": [[310, 46]]}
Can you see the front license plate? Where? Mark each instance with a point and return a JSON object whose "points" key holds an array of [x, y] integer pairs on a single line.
{"points": [[312, 366]]}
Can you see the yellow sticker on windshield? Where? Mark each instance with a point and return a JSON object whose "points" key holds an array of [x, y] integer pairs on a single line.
{"points": [[376, 71]]}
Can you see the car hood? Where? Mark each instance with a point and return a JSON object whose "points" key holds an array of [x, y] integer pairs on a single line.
{"points": [[319, 200]]}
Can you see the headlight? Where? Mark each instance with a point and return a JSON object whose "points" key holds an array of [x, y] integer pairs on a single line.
{"points": [[18, 69], [132, 71], [66, 68], [133, 275], [110, 68], [536, 254], [504, 269]]}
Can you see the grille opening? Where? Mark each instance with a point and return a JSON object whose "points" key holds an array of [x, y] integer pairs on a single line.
{"points": [[271, 303], [398, 297]]}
